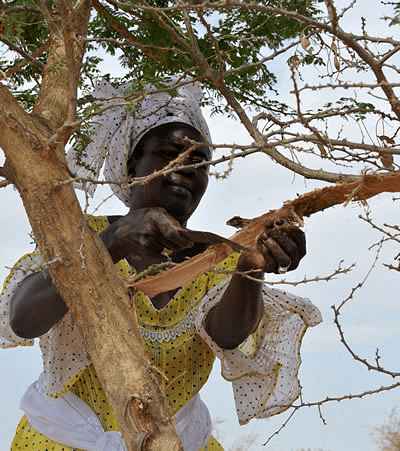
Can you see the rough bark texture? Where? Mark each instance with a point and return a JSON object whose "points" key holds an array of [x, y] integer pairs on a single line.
{"points": [[78, 262], [293, 211]]}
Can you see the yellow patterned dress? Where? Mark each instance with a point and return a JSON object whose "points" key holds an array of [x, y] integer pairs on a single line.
{"points": [[263, 370]]}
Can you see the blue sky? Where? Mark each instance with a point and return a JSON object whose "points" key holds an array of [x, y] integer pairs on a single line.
{"points": [[370, 321]]}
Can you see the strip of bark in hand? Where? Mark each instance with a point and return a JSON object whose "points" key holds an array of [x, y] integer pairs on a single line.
{"points": [[292, 211]]}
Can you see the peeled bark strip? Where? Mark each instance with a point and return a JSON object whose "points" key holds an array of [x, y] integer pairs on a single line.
{"points": [[293, 211]]}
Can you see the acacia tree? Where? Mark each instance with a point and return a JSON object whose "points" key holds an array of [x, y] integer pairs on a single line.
{"points": [[239, 51]]}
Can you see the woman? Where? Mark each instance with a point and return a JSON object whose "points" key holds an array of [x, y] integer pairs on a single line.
{"points": [[255, 330]]}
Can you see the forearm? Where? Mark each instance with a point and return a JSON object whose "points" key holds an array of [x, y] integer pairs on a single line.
{"points": [[238, 313], [36, 306]]}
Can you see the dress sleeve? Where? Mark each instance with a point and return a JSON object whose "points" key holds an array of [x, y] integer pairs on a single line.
{"points": [[263, 369], [27, 265], [62, 351]]}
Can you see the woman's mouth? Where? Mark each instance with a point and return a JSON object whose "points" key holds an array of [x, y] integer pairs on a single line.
{"points": [[180, 190]]}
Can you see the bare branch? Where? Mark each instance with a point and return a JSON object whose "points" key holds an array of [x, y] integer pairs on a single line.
{"points": [[293, 211], [30, 59], [330, 399]]}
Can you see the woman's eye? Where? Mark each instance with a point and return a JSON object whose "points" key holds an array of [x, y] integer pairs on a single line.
{"points": [[168, 155], [197, 159]]}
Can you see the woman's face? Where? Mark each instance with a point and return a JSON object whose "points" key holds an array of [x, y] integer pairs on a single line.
{"points": [[179, 192]]}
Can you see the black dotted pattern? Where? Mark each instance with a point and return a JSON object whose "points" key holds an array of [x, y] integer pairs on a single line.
{"points": [[170, 338], [115, 133]]}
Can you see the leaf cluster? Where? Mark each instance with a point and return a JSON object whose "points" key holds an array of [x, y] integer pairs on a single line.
{"points": [[24, 31], [359, 110], [232, 41], [155, 38], [396, 19]]}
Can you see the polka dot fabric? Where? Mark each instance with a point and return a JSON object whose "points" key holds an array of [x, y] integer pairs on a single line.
{"points": [[28, 439], [115, 132], [89, 389], [62, 350], [25, 266], [263, 370]]}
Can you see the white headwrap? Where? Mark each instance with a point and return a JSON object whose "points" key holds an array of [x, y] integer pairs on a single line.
{"points": [[115, 132]]}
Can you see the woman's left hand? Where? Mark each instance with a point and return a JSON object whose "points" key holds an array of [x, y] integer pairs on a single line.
{"points": [[279, 249]]}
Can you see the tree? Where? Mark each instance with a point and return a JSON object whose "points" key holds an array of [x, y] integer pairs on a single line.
{"points": [[239, 51], [387, 435]]}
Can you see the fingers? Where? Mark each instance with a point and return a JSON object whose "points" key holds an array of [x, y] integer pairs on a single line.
{"points": [[282, 247], [171, 235], [149, 231], [298, 237], [275, 257]]}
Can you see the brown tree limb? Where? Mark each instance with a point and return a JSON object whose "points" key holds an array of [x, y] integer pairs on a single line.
{"points": [[79, 264], [90, 286], [18, 66], [4, 174], [27, 57], [293, 211], [54, 106]]}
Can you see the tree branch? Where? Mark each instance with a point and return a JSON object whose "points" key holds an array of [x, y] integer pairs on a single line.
{"points": [[18, 66], [293, 211], [329, 399], [29, 58], [123, 31]]}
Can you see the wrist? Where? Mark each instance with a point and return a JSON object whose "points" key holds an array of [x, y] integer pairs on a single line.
{"points": [[251, 264]]}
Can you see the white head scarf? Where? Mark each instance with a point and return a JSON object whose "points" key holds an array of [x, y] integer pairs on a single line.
{"points": [[116, 132]]}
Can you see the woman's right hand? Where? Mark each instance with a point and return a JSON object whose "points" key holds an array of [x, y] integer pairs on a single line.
{"points": [[142, 235]]}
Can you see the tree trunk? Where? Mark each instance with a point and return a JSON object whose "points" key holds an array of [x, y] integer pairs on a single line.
{"points": [[77, 261]]}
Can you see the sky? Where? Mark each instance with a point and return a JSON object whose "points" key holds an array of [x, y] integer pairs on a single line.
{"points": [[370, 320]]}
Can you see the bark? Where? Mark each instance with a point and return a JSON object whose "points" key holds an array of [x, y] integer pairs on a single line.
{"points": [[293, 211], [77, 260]]}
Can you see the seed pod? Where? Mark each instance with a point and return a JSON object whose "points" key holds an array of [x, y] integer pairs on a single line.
{"points": [[336, 62], [305, 43], [295, 61]]}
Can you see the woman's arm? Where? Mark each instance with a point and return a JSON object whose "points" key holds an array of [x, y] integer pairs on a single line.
{"points": [[141, 235], [241, 308], [238, 313], [36, 306]]}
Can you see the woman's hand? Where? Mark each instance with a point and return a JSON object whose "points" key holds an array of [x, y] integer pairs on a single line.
{"points": [[279, 249], [142, 235], [241, 308]]}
